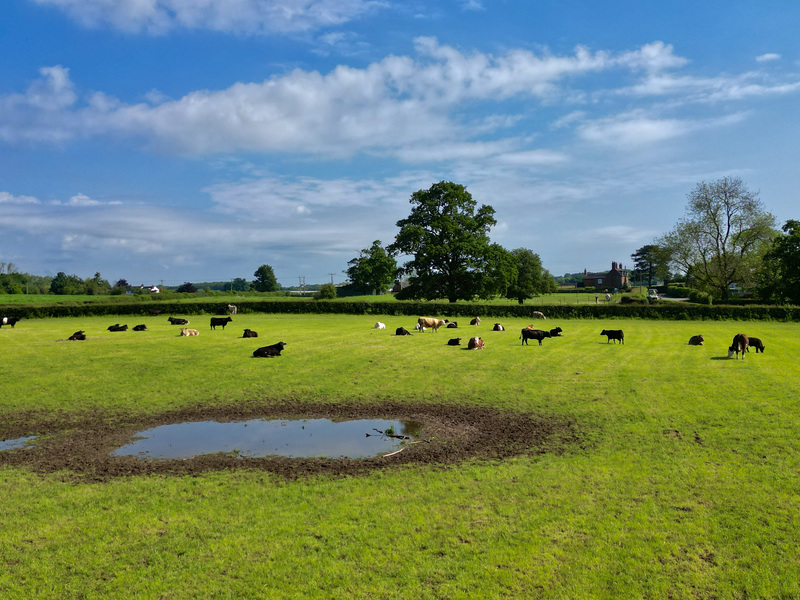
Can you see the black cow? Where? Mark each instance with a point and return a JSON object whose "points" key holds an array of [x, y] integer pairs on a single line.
{"points": [[534, 334], [221, 321], [696, 340], [740, 344], [454, 342], [402, 331], [176, 321], [249, 333], [78, 335], [9, 321], [141, 327], [498, 327], [269, 351], [118, 327], [613, 334], [452, 325], [757, 344]]}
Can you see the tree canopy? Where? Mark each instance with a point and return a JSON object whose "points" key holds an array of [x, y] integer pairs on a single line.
{"points": [[374, 269], [780, 279], [448, 240], [532, 280], [265, 280], [722, 238]]}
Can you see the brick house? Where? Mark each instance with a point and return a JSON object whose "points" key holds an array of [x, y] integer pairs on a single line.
{"points": [[617, 277]]}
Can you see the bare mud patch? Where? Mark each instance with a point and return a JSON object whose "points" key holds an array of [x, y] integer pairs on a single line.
{"points": [[79, 446]]}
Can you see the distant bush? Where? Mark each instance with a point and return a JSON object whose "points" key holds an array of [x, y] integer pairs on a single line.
{"points": [[327, 291]]}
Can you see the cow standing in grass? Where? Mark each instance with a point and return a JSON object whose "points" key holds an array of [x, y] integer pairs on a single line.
{"points": [[614, 334]]}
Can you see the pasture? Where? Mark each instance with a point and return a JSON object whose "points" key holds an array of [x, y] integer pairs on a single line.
{"points": [[682, 479]]}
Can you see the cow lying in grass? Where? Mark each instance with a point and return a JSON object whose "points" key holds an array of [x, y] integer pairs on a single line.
{"points": [[269, 351], [614, 334], [141, 327], [118, 327], [556, 332], [176, 321], [498, 327], [187, 332], [249, 333], [696, 340], [402, 331], [454, 342], [78, 335], [379, 325], [475, 343]]}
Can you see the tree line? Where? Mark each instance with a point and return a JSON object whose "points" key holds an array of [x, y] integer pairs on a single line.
{"points": [[726, 237]]}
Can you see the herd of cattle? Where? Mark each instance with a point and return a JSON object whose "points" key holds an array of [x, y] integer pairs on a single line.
{"points": [[264, 351], [741, 342]]}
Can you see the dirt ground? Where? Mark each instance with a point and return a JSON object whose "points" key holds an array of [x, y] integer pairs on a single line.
{"points": [[78, 447]]}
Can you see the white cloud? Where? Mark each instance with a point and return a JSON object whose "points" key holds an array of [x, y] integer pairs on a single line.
{"points": [[768, 57], [248, 17], [6, 198], [394, 103], [631, 130]]}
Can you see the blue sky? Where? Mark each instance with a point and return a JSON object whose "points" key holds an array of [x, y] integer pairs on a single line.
{"points": [[194, 140]]}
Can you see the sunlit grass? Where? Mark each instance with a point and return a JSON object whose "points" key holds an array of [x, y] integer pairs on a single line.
{"points": [[685, 483]]}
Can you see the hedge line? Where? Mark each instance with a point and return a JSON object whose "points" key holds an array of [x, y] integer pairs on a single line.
{"points": [[661, 310]]}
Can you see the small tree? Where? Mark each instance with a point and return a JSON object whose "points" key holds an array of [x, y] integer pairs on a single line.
{"points": [[374, 269], [265, 279], [327, 291], [532, 279], [186, 288]]}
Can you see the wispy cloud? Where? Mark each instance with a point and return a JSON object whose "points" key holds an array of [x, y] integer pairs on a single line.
{"points": [[768, 57], [248, 17]]}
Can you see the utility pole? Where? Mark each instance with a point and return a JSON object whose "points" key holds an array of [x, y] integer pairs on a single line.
{"points": [[302, 282], [331, 274]]}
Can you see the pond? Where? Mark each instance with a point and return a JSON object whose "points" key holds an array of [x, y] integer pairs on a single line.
{"points": [[16, 444], [257, 438]]}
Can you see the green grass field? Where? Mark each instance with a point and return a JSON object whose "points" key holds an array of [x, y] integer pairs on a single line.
{"points": [[685, 484]]}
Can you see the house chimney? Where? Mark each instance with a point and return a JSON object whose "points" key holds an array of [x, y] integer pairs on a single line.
{"points": [[613, 266]]}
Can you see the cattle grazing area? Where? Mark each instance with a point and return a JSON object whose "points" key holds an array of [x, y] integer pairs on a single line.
{"points": [[655, 469]]}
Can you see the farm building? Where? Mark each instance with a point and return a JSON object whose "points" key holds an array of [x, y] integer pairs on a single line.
{"points": [[617, 277]]}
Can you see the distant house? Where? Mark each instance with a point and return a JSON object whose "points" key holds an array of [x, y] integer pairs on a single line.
{"points": [[617, 277], [399, 286]]}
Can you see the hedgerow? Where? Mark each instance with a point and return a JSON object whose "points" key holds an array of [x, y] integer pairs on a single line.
{"points": [[660, 310]]}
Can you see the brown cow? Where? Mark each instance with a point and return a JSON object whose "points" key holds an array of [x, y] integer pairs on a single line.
{"points": [[475, 343], [740, 344], [431, 323]]}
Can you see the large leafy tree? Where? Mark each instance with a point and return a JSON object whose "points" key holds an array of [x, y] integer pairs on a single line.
{"points": [[63, 284], [723, 236], [374, 269], [265, 280], [532, 280], [448, 240], [780, 280]]}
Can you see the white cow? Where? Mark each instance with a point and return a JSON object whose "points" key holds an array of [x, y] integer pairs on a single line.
{"points": [[379, 325]]}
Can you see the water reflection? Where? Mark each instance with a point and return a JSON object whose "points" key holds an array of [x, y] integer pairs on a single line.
{"points": [[17, 443], [306, 438]]}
